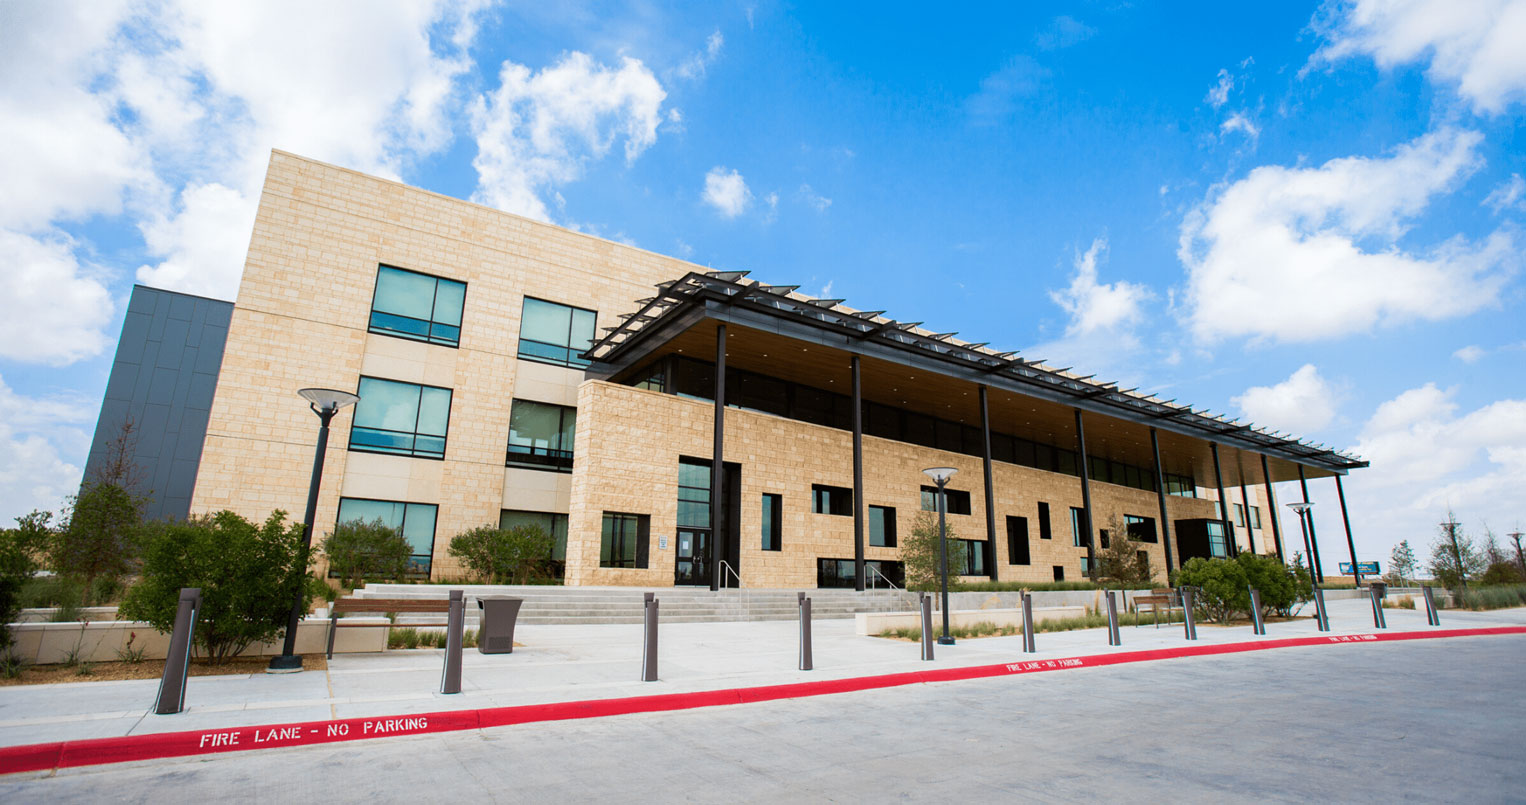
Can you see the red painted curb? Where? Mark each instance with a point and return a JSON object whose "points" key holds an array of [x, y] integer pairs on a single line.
{"points": [[99, 751]]}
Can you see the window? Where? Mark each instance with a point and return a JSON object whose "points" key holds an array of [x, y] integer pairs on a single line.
{"points": [[417, 306], [693, 493], [624, 540], [831, 500], [1217, 545], [404, 419], [1144, 559], [1102, 538], [1255, 516], [882, 526], [840, 573], [553, 333], [966, 557], [1044, 530], [1086, 572], [414, 520], [1059, 572], [773, 511], [541, 435], [1181, 486], [1141, 529], [550, 522], [1017, 540], [1078, 527], [958, 500]]}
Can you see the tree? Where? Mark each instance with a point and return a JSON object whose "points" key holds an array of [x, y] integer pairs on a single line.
{"points": [[1491, 548], [1454, 559], [920, 556], [358, 550], [99, 538], [1123, 562], [247, 574], [1502, 573], [1520, 556], [504, 555], [1277, 584], [1401, 563], [20, 548]]}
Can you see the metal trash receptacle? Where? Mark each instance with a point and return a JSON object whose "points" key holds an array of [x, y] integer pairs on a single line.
{"points": [[495, 632]]}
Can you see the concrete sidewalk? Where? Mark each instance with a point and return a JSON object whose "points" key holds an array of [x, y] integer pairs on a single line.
{"points": [[573, 663]]}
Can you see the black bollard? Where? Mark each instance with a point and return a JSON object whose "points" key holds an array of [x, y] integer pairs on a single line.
{"points": [[1321, 618], [1029, 646], [1113, 638], [455, 623], [1430, 606], [649, 647], [805, 633], [1189, 620], [1378, 621], [927, 626], [1256, 624], [177, 663]]}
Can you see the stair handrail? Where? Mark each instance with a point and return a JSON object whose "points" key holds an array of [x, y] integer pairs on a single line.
{"points": [[746, 593], [876, 572]]}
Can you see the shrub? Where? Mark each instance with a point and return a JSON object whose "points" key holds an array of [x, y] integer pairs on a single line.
{"points": [[1221, 583], [248, 575], [1276, 582], [100, 540], [19, 549], [1502, 573], [1496, 597], [503, 555], [358, 550]]}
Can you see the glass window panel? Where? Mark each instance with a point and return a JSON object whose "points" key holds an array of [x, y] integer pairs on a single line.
{"points": [[882, 526], [449, 297], [534, 427], [581, 337], [1043, 457], [919, 430], [1025, 453], [405, 293], [391, 514], [546, 322], [418, 527], [434, 411], [387, 404], [1065, 461]]}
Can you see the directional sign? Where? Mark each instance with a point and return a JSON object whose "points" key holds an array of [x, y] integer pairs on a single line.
{"points": [[1364, 568]]}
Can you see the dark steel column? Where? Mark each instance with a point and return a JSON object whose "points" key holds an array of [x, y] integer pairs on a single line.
{"points": [[1231, 546], [1250, 533], [858, 481], [1271, 508], [1160, 493], [1319, 569], [1350, 544], [985, 441], [1086, 495], [717, 464]]}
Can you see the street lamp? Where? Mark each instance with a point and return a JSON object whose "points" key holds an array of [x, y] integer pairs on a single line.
{"points": [[325, 403], [940, 476], [1303, 507]]}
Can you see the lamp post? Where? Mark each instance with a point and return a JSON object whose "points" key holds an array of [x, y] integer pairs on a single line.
{"points": [[325, 403], [940, 476], [1303, 507]]}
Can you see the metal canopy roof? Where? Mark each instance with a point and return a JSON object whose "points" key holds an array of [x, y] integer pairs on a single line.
{"points": [[729, 296]]}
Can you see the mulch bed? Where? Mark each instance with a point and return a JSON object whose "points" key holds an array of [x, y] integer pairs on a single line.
{"points": [[147, 669]]}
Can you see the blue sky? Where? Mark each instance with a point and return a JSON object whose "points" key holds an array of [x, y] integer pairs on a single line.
{"points": [[1304, 215]]}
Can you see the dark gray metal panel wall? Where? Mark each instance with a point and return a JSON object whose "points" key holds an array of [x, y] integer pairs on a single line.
{"points": [[163, 377]]}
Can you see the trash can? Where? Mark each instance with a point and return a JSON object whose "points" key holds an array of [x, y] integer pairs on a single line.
{"points": [[495, 632]]}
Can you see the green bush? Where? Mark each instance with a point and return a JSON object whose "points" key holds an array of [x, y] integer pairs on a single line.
{"points": [[101, 538], [1502, 573], [19, 549], [248, 575], [1224, 585], [1499, 596], [512, 555], [358, 550]]}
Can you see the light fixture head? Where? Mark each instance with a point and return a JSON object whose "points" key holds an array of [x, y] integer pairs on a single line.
{"points": [[940, 475], [1301, 506], [328, 399]]}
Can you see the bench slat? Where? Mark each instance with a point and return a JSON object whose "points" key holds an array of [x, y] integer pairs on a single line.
{"points": [[391, 605]]}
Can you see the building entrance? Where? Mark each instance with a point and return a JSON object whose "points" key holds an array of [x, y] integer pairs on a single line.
{"points": [[693, 561]]}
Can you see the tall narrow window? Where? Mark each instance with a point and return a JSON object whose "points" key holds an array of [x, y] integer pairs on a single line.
{"points": [[415, 521], [623, 542], [541, 435], [1239, 515], [1045, 530], [1017, 540], [966, 557], [693, 493], [773, 513], [416, 306], [882, 526], [1078, 527], [1218, 546], [405, 419], [1059, 572], [1255, 517], [553, 333]]}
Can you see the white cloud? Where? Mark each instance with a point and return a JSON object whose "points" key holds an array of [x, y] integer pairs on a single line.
{"points": [[204, 245], [33, 433], [1063, 32], [1095, 307], [1000, 91], [1472, 44], [54, 309], [1469, 354], [814, 199], [1297, 254], [538, 130], [1218, 94], [1507, 195], [695, 66], [1241, 123], [726, 191], [1302, 404]]}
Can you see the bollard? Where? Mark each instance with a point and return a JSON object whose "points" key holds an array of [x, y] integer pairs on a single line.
{"points": [[1378, 621], [1431, 617], [927, 626], [649, 647], [1321, 618], [1257, 625], [455, 622], [1029, 646], [1189, 620], [177, 663], [805, 633], [1113, 638]]}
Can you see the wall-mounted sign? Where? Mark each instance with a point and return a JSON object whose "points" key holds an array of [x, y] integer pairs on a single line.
{"points": [[662, 542]]}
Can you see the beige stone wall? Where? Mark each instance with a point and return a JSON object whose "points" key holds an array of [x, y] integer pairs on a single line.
{"points": [[300, 320], [630, 441]]}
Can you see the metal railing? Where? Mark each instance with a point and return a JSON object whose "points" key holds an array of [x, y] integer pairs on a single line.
{"points": [[892, 585], [746, 593]]}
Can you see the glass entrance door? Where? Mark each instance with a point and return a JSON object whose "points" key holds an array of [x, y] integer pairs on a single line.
{"points": [[693, 565]]}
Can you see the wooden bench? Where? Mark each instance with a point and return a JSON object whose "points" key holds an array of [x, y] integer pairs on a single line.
{"points": [[380, 606], [1158, 598]]}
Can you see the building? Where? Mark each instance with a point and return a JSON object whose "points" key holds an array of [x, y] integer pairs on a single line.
{"points": [[511, 371]]}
